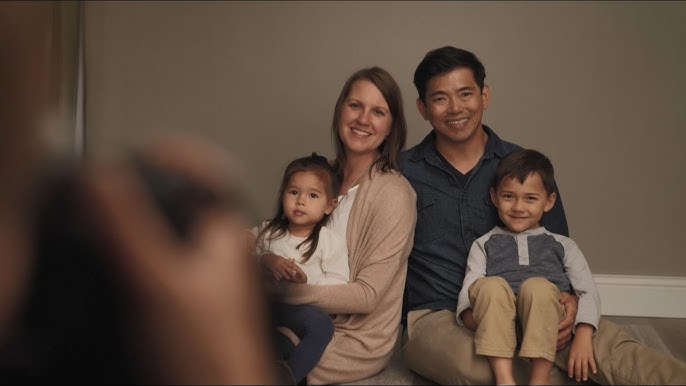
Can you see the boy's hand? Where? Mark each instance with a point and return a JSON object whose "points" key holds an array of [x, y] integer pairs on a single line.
{"points": [[581, 353], [571, 305]]}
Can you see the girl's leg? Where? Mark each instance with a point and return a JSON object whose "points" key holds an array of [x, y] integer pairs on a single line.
{"points": [[502, 370], [315, 330]]}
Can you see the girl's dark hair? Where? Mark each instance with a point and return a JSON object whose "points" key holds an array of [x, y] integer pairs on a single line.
{"points": [[395, 141], [523, 162], [278, 225]]}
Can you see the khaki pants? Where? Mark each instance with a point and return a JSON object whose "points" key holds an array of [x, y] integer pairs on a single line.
{"points": [[436, 347], [495, 310]]}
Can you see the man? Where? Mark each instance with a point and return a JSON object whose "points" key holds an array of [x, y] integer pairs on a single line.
{"points": [[451, 171]]}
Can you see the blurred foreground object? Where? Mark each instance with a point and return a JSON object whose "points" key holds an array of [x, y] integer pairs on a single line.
{"points": [[131, 271]]}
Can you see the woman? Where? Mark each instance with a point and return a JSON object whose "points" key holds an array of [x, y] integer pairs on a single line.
{"points": [[376, 215]]}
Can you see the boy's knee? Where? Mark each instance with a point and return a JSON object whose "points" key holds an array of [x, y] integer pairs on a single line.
{"points": [[536, 287], [490, 286]]}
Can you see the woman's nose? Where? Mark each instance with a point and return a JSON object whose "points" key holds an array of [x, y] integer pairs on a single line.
{"points": [[363, 117]]}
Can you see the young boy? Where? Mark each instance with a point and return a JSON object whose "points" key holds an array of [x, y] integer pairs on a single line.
{"points": [[520, 270]]}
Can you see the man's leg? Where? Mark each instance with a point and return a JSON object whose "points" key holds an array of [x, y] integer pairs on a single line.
{"points": [[439, 349], [622, 360]]}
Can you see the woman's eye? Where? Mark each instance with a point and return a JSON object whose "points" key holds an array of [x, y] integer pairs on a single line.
{"points": [[354, 105], [379, 113]]}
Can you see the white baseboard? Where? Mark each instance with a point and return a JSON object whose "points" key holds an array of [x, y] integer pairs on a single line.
{"points": [[645, 296]]}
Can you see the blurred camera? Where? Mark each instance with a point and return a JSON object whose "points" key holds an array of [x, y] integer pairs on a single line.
{"points": [[75, 325]]}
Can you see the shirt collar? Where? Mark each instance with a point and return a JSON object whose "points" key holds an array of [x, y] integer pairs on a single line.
{"points": [[427, 148]]}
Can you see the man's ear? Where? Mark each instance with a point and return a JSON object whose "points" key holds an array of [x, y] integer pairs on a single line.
{"points": [[551, 202], [421, 106], [493, 200], [486, 96]]}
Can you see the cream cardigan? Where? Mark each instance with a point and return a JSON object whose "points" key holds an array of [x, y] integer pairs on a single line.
{"points": [[367, 310]]}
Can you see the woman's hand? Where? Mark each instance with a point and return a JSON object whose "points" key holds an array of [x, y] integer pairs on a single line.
{"points": [[581, 357], [571, 305]]}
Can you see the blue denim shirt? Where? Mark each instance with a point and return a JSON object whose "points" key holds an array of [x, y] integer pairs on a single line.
{"points": [[450, 217]]}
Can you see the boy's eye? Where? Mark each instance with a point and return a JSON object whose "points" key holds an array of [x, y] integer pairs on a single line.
{"points": [[314, 195], [507, 196], [531, 198]]}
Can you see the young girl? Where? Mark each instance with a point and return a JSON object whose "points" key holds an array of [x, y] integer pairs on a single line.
{"points": [[313, 254]]}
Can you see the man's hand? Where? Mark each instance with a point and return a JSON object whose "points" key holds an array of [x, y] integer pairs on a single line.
{"points": [[468, 319], [571, 305]]}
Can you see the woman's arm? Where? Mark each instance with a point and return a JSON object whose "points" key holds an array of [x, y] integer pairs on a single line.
{"points": [[385, 247]]}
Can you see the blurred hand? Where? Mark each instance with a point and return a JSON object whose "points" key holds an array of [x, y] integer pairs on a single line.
{"points": [[197, 304]]}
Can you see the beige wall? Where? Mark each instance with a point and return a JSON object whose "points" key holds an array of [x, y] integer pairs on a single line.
{"points": [[598, 86]]}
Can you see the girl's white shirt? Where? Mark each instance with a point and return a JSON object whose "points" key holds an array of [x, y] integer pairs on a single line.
{"points": [[339, 218], [327, 265]]}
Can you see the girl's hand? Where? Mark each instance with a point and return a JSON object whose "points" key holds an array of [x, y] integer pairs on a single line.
{"points": [[280, 267], [299, 276], [581, 353]]}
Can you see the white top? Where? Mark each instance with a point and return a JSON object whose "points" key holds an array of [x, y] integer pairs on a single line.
{"points": [[339, 218], [327, 265]]}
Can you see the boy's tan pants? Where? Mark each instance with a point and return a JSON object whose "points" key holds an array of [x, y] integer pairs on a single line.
{"points": [[495, 310]]}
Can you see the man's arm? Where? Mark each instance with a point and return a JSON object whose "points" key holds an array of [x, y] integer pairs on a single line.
{"points": [[571, 305]]}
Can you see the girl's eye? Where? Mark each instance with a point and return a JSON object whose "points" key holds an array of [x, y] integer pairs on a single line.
{"points": [[293, 192], [313, 195], [531, 198]]}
